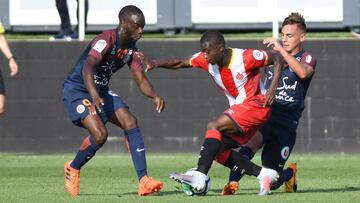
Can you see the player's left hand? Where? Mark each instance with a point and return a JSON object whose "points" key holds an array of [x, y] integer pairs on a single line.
{"points": [[13, 67], [159, 103], [269, 98]]}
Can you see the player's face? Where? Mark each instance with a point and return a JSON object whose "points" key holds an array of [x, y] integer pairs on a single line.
{"points": [[292, 37], [133, 28], [213, 53]]}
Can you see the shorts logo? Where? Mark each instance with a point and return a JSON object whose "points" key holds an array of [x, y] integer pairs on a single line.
{"points": [[80, 108], [285, 152], [258, 55], [86, 102], [111, 93]]}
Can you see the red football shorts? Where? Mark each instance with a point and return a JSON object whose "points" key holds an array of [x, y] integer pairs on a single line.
{"points": [[249, 117]]}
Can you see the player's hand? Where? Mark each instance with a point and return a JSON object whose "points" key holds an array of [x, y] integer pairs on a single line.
{"points": [[273, 43], [269, 97], [96, 105], [13, 67], [159, 103], [149, 64]]}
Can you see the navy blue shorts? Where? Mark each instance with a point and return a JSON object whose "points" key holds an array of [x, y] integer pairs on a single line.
{"points": [[77, 102], [279, 140]]}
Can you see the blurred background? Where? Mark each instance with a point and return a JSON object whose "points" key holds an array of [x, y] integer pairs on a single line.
{"points": [[35, 120]]}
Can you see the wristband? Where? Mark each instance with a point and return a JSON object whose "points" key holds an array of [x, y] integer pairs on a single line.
{"points": [[11, 57]]}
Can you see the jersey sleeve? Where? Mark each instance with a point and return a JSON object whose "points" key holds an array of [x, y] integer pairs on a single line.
{"points": [[2, 29], [307, 58], [198, 61], [100, 45], [254, 59], [135, 63]]}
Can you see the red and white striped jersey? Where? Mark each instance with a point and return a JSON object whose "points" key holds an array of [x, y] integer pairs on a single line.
{"points": [[240, 81]]}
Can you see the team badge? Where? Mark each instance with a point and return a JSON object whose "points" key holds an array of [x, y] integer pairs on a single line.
{"points": [[258, 55], [80, 108], [308, 58], [100, 45], [285, 152], [239, 76]]}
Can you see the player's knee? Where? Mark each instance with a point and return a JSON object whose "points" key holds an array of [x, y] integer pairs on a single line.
{"points": [[100, 136], [2, 110], [212, 126], [130, 123]]}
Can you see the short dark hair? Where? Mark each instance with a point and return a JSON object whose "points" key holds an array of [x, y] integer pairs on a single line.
{"points": [[295, 18], [213, 37], [128, 11]]}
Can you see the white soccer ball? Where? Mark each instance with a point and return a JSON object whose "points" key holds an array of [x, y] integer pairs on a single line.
{"points": [[188, 190]]}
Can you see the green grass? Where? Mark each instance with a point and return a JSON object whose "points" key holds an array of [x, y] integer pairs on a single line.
{"points": [[111, 178]]}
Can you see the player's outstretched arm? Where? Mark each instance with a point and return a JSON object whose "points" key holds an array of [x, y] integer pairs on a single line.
{"points": [[276, 59], [169, 63]]}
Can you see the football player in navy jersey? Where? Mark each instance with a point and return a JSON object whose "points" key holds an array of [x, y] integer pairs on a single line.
{"points": [[90, 103], [278, 135]]}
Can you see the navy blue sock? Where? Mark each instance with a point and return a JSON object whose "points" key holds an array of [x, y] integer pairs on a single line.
{"points": [[86, 152], [137, 150], [287, 174]]}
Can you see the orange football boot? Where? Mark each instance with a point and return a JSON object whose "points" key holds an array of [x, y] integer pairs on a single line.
{"points": [[291, 185], [72, 179], [230, 188], [148, 186]]}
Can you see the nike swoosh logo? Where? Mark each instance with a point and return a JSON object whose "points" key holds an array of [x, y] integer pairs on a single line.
{"points": [[140, 150]]}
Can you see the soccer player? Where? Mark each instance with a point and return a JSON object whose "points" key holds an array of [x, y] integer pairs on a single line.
{"points": [[236, 73], [5, 49], [278, 135], [90, 103]]}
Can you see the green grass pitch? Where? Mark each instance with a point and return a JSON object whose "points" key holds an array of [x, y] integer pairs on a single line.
{"points": [[111, 178]]}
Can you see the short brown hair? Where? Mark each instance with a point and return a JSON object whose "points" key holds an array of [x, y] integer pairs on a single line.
{"points": [[295, 18]]}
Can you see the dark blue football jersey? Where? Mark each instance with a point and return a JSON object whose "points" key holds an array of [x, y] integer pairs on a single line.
{"points": [[291, 91], [106, 47]]}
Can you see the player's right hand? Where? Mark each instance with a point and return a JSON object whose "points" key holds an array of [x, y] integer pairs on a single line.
{"points": [[96, 105], [159, 103]]}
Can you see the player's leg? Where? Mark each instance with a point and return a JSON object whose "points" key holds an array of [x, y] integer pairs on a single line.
{"points": [[77, 107], [2, 94], [123, 118], [2, 103], [247, 151], [276, 151]]}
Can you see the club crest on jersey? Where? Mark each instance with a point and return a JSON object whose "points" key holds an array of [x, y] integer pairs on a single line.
{"points": [[239, 76], [285, 152], [258, 55]]}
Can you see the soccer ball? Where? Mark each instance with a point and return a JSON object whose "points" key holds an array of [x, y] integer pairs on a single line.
{"points": [[190, 191]]}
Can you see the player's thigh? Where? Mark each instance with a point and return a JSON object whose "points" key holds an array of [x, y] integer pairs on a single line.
{"points": [[222, 123]]}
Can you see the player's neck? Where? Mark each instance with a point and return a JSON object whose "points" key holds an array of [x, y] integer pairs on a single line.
{"points": [[227, 58]]}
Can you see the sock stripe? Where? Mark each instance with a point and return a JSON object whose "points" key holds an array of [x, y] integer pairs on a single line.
{"points": [[215, 134]]}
